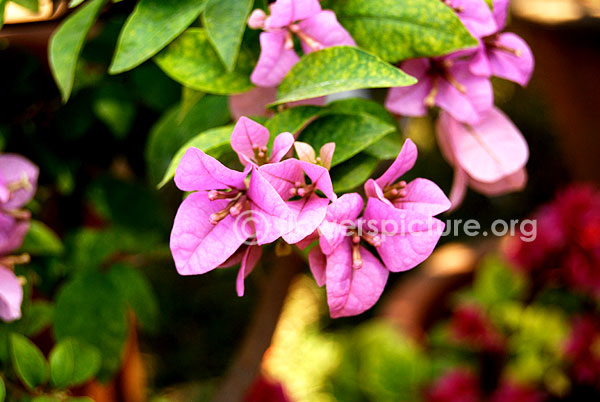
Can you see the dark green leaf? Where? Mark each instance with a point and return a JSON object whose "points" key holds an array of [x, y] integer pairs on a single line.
{"points": [[91, 309], [292, 120], [41, 240], [75, 3], [351, 133], [152, 25], [173, 130], [37, 316], [361, 106], [210, 141], [353, 173], [193, 62], [66, 43], [117, 113], [137, 291], [29, 362], [31, 5], [225, 22], [397, 30], [73, 363], [338, 69], [2, 390], [386, 148], [2, 7]]}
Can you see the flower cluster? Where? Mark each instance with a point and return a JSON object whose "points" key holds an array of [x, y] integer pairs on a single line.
{"points": [[18, 179], [486, 150], [230, 214]]}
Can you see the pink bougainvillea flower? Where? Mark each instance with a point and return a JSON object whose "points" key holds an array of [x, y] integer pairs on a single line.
{"points": [[354, 277], [420, 195], [18, 179], [289, 180], [12, 231], [255, 101], [250, 140], [223, 212], [489, 156], [307, 153], [445, 83], [456, 385], [475, 15], [247, 256], [503, 55], [315, 28], [11, 295]]}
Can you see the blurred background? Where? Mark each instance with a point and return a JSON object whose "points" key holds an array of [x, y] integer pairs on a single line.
{"points": [[483, 319]]}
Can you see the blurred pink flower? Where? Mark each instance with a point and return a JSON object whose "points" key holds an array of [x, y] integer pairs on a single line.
{"points": [[475, 15], [250, 139], [469, 326], [582, 350], [446, 83], [315, 28], [11, 295], [513, 392], [455, 385], [490, 156]]}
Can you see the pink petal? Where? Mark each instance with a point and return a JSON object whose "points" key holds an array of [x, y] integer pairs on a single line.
{"points": [[408, 237], [281, 146], [326, 154], [500, 8], [425, 197], [247, 136], [353, 291], [480, 64], [199, 171], [275, 59], [319, 176], [467, 107], [317, 263], [372, 189], [249, 261], [513, 67], [252, 103], [325, 29], [309, 213], [284, 12], [308, 240], [256, 20], [11, 295], [12, 233], [410, 101], [488, 151], [17, 169], [197, 245], [459, 187], [345, 208], [305, 152], [508, 184], [476, 16], [271, 216], [283, 175], [404, 162]]}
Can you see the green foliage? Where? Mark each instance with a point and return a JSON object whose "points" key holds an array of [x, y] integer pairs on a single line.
{"points": [[2, 6], [41, 240], [66, 43], [338, 69], [29, 362], [31, 5], [73, 363], [174, 130], [365, 130], [2, 390], [496, 283], [36, 317], [152, 25], [397, 30], [192, 61], [138, 293], [292, 120], [225, 22], [352, 173], [211, 141], [91, 309]]}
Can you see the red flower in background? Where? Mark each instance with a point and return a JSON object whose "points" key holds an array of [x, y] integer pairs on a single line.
{"points": [[567, 246], [512, 392], [264, 390], [456, 385], [583, 350], [471, 327]]}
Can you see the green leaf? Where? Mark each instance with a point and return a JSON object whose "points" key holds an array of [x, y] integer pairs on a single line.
{"points": [[292, 120], [174, 129], [37, 316], [351, 133], [362, 106], [210, 141], [2, 7], [75, 3], [91, 309], [137, 291], [496, 283], [192, 61], [42, 241], [386, 148], [338, 69], [225, 22], [29, 362], [353, 173], [31, 5], [397, 30], [73, 363], [116, 112], [152, 25], [2, 390], [66, 43]]}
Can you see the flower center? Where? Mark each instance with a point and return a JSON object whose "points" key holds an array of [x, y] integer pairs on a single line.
{"points": [[395, 191], [22, 183], [309, 40], [441, 70], [373, 240], [493, 42], [302, 189], [260, 154], [237, 204]]}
